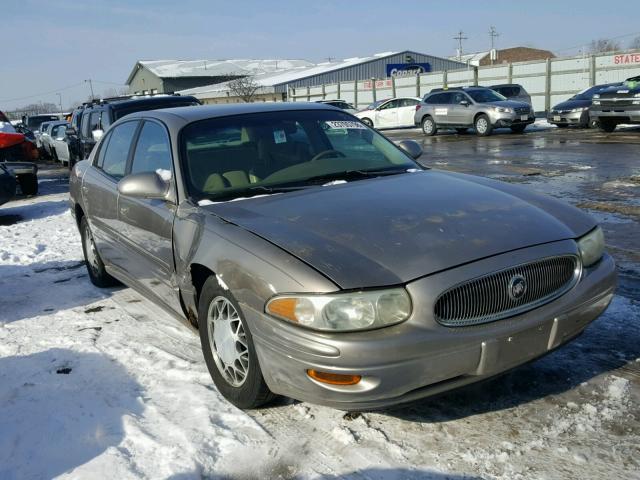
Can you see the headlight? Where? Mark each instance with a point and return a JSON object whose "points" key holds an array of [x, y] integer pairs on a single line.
{"points": [[503, 109], [597, 95], [637, 95], [591, 247], [343, 311], [580, 109], [596, 102]]}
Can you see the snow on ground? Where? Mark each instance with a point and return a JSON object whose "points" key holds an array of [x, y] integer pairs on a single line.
{"points": [[103, 384]]}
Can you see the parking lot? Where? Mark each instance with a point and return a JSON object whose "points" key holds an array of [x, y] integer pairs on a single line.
{"points": [[572, 414]]}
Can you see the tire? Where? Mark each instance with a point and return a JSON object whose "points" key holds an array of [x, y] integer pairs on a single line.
{"points": [[462, 131], [483, 126], [29, 184], [518, 128], [367, 122], [97, 273], [429, 126], [240, 382], [607, 126], [593, 123]]}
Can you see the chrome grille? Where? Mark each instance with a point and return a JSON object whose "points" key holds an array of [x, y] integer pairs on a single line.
{"points": [[489, 298]]}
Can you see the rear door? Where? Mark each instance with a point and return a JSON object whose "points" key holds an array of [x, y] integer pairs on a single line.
{"points": [[146, 225], [441, 108], [100, 192], [387, 114], [407, 111]]}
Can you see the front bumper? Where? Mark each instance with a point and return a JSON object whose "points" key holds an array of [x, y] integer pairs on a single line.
{"points": [[568, 118], [504, 120], [627, 114], [420, 357]]}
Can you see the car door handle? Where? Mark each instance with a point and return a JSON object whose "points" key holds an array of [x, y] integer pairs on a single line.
{"points": [[124, 211]]}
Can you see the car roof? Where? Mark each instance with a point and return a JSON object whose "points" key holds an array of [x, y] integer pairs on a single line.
{"points": [[126, 103], [202, 112], [506, 85]]}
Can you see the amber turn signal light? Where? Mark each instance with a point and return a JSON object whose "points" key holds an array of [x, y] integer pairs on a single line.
{"points": [[334, 378]]}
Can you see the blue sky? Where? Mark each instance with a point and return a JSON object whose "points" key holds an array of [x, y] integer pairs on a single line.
{"points": [[58, 44]]}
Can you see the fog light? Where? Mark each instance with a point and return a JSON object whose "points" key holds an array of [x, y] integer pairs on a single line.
{"points": [[334, 378]]}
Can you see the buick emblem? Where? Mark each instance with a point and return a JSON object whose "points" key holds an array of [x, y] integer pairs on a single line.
{"points": [[517, 287]]}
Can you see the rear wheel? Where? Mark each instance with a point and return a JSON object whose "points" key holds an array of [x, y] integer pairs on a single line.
{"points": [[228, 348], [429, 126], [607, 125], [367, 122], [518, 128], [483, 125], [28, 184], [97, 273]]}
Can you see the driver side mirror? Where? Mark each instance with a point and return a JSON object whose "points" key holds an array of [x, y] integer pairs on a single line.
{"points": [[70, 131], [411, 148], [97, 135], [465, 103], [144, 185]]}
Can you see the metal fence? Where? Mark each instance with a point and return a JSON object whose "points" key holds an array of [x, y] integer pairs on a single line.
{"points": [[548, 82]]}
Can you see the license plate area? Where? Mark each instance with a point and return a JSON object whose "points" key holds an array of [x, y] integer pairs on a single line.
{"points": [[524, 118], [557, 118]]}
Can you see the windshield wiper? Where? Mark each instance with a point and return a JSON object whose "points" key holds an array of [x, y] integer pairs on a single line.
{"points": [[252, 191], [353, 175]]}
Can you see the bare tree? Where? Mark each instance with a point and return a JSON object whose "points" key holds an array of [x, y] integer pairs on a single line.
{"points": [[635, 43], [244, 87], [604, 45]]}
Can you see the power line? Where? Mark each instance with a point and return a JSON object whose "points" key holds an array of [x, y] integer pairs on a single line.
{"points": [[51, 92], [460, 38]]}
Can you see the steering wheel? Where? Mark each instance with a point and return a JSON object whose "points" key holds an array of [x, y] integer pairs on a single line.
{"points": [[326, 153]]}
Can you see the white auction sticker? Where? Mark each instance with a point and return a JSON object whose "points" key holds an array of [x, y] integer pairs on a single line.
{"points": [[340, 124], [279, 136], [441, 111]]}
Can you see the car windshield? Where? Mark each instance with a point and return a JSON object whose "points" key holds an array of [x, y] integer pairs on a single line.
{"points": [[589, 92], [485, 96], [260, 153], [34, 122]]}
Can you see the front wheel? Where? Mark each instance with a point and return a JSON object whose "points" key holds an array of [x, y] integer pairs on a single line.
{"points": [[429, 126], [483, 125], [228, 348], [607, 125]]}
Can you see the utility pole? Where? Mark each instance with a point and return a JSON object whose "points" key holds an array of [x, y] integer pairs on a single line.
{"points": [[91, 87], [60, 103], [460, 37], [493, 33]]}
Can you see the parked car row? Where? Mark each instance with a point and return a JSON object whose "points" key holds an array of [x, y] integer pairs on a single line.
{"points": [[617, 104]]}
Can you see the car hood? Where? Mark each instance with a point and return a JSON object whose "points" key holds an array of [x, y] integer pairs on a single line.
{"points": [[569, 104], [391, 230]]}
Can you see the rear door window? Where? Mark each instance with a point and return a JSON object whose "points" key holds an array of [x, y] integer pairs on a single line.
{"points": [[94, 121], [114, 162]]}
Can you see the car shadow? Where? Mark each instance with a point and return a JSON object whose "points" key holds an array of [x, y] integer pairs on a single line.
{"points": [[60, 409], [29, 211], [608, 344], [46, 288]]}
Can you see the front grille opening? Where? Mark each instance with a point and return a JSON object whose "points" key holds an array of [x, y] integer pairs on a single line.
{"points": [[507, 292]]}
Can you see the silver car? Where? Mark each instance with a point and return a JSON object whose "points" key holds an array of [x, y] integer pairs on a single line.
{"points": [[319, 261], [471, 107]]}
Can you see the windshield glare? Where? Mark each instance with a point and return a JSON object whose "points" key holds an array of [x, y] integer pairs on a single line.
{"points": [[231, 156], [485, 96], [374, 105]]}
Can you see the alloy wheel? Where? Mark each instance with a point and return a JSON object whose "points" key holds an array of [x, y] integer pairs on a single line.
{"points": [[228, 341]]}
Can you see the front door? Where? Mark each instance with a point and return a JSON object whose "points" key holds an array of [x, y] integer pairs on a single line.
{"points": [[146, 225], [387, 114], [460, 114]]}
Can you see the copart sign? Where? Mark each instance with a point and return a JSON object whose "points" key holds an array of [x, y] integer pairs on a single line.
{"points": [[407, 69]]}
